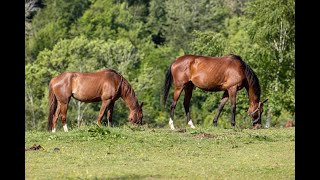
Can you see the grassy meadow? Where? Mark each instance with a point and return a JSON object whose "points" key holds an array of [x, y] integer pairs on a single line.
{"points": [[131, 152]]}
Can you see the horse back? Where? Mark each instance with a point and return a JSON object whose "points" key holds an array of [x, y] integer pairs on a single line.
{"points": [[88, 86], [209, 73]]}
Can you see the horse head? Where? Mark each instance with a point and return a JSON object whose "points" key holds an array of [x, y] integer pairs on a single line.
{"points": [[136, 115], [255, 114]]}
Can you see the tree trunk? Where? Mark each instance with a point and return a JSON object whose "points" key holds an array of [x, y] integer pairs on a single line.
{"points": [[78, 105], [268, 120], [79, 113], [32, 110], [30, 96]]}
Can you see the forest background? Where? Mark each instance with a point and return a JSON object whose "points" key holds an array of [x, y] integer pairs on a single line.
{"points": [[141, 38]]}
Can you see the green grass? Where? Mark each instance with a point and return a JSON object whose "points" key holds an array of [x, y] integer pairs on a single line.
{"points": [[145, 153]]}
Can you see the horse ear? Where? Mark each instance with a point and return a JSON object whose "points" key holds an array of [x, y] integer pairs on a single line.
{"points": [[141, 105], [264, 101]]}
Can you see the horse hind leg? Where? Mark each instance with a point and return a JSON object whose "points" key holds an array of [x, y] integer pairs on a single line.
{"points": [[223, 101], [55, 118], [109, 114], [63, 115], [176, 95], [187, 97]]}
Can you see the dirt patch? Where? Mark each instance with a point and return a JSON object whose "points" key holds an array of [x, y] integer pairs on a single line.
{"points": [[183, 130], [231, 133], [206, 135], [34, 148]]}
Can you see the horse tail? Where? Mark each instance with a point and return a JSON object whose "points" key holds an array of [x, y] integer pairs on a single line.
{"points": [[167, 84], [52, 106]]}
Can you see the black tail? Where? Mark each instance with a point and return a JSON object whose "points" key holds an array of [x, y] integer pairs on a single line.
{"points": [[52, 107], [167, 84]]}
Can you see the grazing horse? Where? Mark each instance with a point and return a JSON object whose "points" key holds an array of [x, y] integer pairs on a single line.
{"points": [[106, 86], [227, 73], [289, 124]]}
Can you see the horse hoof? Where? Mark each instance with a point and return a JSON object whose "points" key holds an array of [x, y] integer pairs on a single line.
{"points": [[215, 124], [190, 123], [257, 126]]}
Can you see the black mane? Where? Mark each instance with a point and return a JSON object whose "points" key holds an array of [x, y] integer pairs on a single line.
{"points": [[252, 78]]}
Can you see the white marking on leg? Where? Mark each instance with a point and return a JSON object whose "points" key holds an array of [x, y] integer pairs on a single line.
{"points": [[65, 128], [171, 124], [190, 123], [54, 130]]}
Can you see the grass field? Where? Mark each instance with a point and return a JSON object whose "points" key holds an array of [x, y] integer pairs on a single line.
{"points": [[130, 152]]}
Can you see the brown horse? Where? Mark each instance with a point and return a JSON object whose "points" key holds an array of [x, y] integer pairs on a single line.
{"points": [[289, 124], [228, 73], [106, 86]]}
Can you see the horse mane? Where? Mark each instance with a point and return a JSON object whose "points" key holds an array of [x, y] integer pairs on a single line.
{"points": [[126, 88], [127, 92], [110, 70], [251, 76]]}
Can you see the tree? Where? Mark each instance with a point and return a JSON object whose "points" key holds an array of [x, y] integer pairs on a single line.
{"points": [[30, 9], [141, 38], [52, 23], [149, 83], [273, 30], [185, 16], [111, 20]]}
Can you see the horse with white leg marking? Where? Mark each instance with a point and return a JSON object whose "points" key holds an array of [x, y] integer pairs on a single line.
{"points": [[106, 86], [227, 73]]}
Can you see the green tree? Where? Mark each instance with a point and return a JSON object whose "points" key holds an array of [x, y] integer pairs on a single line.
{"points": [[273, 30], [106, 19], [149, 84], [185, 16], [52, 23], [141, 38]]}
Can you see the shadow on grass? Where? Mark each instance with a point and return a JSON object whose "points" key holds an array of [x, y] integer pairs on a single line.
{"points": [[133, 176]]}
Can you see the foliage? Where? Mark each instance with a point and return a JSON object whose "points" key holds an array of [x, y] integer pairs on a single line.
{"points": [[140, 39], [273, 30], [51, 23], [185, 16], [150, 82]]}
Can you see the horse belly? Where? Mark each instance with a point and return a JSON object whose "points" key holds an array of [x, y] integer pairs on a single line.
{"points": [[87, 95], [86, 98], [210, 87], [208, 84], [211, 79]]}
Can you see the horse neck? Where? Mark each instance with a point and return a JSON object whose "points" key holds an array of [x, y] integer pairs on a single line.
{"points": [[128, 96], [254, 97]]}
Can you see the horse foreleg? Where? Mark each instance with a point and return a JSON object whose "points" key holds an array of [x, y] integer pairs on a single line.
{"points": [[223, 101], [104, 105], [232, 94], [63, 115], [187, 97], [109, 114], [176, 95]]}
